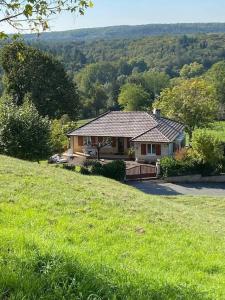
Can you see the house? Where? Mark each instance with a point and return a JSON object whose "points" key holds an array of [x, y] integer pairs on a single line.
{"points": [[150, 135]]}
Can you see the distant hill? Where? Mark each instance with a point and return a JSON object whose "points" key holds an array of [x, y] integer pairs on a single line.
{"points": [[129, 32]]}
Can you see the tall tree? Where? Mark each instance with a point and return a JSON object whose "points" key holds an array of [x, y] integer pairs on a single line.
{"points": [[133, 97], [23, 133], [28, 70], [155, 82], [192, 70], [191, 102], [216, 76]]}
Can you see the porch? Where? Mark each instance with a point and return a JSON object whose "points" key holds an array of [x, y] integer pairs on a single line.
{"points": [[87, 146]]}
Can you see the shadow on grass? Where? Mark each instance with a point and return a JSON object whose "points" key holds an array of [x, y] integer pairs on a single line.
{"points": [[54, 277]]}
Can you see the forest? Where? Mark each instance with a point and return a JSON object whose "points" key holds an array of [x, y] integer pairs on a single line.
{"points": [[104, 70]]}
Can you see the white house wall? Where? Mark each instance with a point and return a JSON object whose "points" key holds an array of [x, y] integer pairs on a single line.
{"points": [[166, 150]]}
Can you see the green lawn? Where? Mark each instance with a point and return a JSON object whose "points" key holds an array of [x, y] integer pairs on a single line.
{"points": [[69, 236], [83, 122], [218, 128]]}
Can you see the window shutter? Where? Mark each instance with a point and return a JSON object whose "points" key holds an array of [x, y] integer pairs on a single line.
{"points": [[113, 142], [93, 140], [158, 149], [143, 149], [128, 142], [80, 141]]}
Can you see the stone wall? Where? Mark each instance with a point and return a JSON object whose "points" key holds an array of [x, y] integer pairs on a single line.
{"points": [[196, 178]]}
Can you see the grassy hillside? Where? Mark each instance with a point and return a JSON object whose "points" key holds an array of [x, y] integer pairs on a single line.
{"points": [[68, 236]]}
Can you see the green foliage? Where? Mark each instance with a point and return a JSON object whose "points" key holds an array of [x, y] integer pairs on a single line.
{"points": [[28, 70], [115, 170], [59, 140], [23, 133], [192, 70], [59, 129], [35, 15], [133, 97], [191, 102], [190, 166], [155, 82], [206, 147], [216, 77], [100, 73], [217, 129]]}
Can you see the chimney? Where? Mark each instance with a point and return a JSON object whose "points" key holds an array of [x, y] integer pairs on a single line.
{"points": [[156, 112]]}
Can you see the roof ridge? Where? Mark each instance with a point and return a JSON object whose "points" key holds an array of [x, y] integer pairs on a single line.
{"points": [[165, 118], [143, 133], [109, 111]]}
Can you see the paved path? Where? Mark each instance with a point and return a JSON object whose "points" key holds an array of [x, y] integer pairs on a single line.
{"points": [[170, 189]]}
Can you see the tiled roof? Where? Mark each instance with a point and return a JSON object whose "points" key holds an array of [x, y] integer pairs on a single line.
{"points": [[140, 126], [165, 131]]}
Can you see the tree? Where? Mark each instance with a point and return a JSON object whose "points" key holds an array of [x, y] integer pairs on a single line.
{"points": [[216, 77], [97, 73], [59, 129], [133, 97], [34, 14], [24, 133], [192, 70], [138, 66], [191, 102], [155, 82], [106, 141], [99, 98], [28, 70], [206, 147]]}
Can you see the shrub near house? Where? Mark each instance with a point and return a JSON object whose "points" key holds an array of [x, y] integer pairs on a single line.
{"points": [[114, 170], [205, 157]]}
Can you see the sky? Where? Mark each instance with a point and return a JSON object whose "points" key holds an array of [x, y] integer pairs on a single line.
{"points": [[134, 12]]}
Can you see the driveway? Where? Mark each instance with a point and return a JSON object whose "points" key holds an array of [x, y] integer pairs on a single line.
{"points": [[171, 189]]}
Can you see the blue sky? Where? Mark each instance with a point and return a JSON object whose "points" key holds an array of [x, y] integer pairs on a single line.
{"points": [[132, 12], [119, 12]]}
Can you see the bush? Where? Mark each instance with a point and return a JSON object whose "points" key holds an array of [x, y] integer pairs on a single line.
{"points": [[169, 166], [115, 170], [206, 147], [82, 170], [23, 133], [68, 167], [97, 168], [172, 167]]}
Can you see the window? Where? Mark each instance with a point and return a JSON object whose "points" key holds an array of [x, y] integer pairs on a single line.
{"points": [[151, 149], [87, 140]]}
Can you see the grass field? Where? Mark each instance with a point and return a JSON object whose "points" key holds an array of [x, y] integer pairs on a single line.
{"points": [[70, 236], [83, 122], [218, 129]]}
